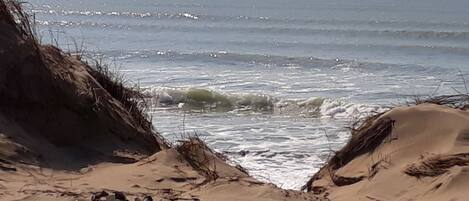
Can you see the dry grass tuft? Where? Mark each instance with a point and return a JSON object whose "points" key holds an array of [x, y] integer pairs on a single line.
{"points": [[12, 13], [366, 137], [132, 97], [436, 165], [200, 156]]}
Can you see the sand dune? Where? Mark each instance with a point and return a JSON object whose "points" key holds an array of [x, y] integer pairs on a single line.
{"points": [[423, 156], [52, 97]]}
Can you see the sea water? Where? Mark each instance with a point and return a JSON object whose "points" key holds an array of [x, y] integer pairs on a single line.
{"points": [[273, 84]]}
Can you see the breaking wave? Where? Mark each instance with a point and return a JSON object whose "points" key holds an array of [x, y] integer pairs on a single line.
{"points": [[205, 100]]}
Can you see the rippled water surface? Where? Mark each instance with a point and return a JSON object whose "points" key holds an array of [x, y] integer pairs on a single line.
{"points": [[271, 83]]}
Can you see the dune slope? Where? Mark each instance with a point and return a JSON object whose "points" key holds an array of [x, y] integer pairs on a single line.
{"points": [[409, 153], [54, 98]]}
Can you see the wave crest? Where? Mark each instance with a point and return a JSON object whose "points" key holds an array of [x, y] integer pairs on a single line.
{"points": [[205, 100]]}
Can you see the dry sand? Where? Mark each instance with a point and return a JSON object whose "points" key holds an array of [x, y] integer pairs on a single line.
{"points": [[164, 176], [425, 157]]}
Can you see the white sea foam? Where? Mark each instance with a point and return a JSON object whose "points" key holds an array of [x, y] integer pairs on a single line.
{"points": [[190, 16], [197, 99]]}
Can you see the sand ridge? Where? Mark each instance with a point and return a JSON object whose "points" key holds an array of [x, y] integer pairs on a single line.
{"points": [[425, 157]]}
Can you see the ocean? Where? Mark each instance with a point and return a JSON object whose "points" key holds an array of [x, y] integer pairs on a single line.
{"points": [[272, 84]]}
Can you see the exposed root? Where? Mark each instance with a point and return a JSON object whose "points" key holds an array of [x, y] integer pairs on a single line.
{"points": [[436, 165], [344, 181]]}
